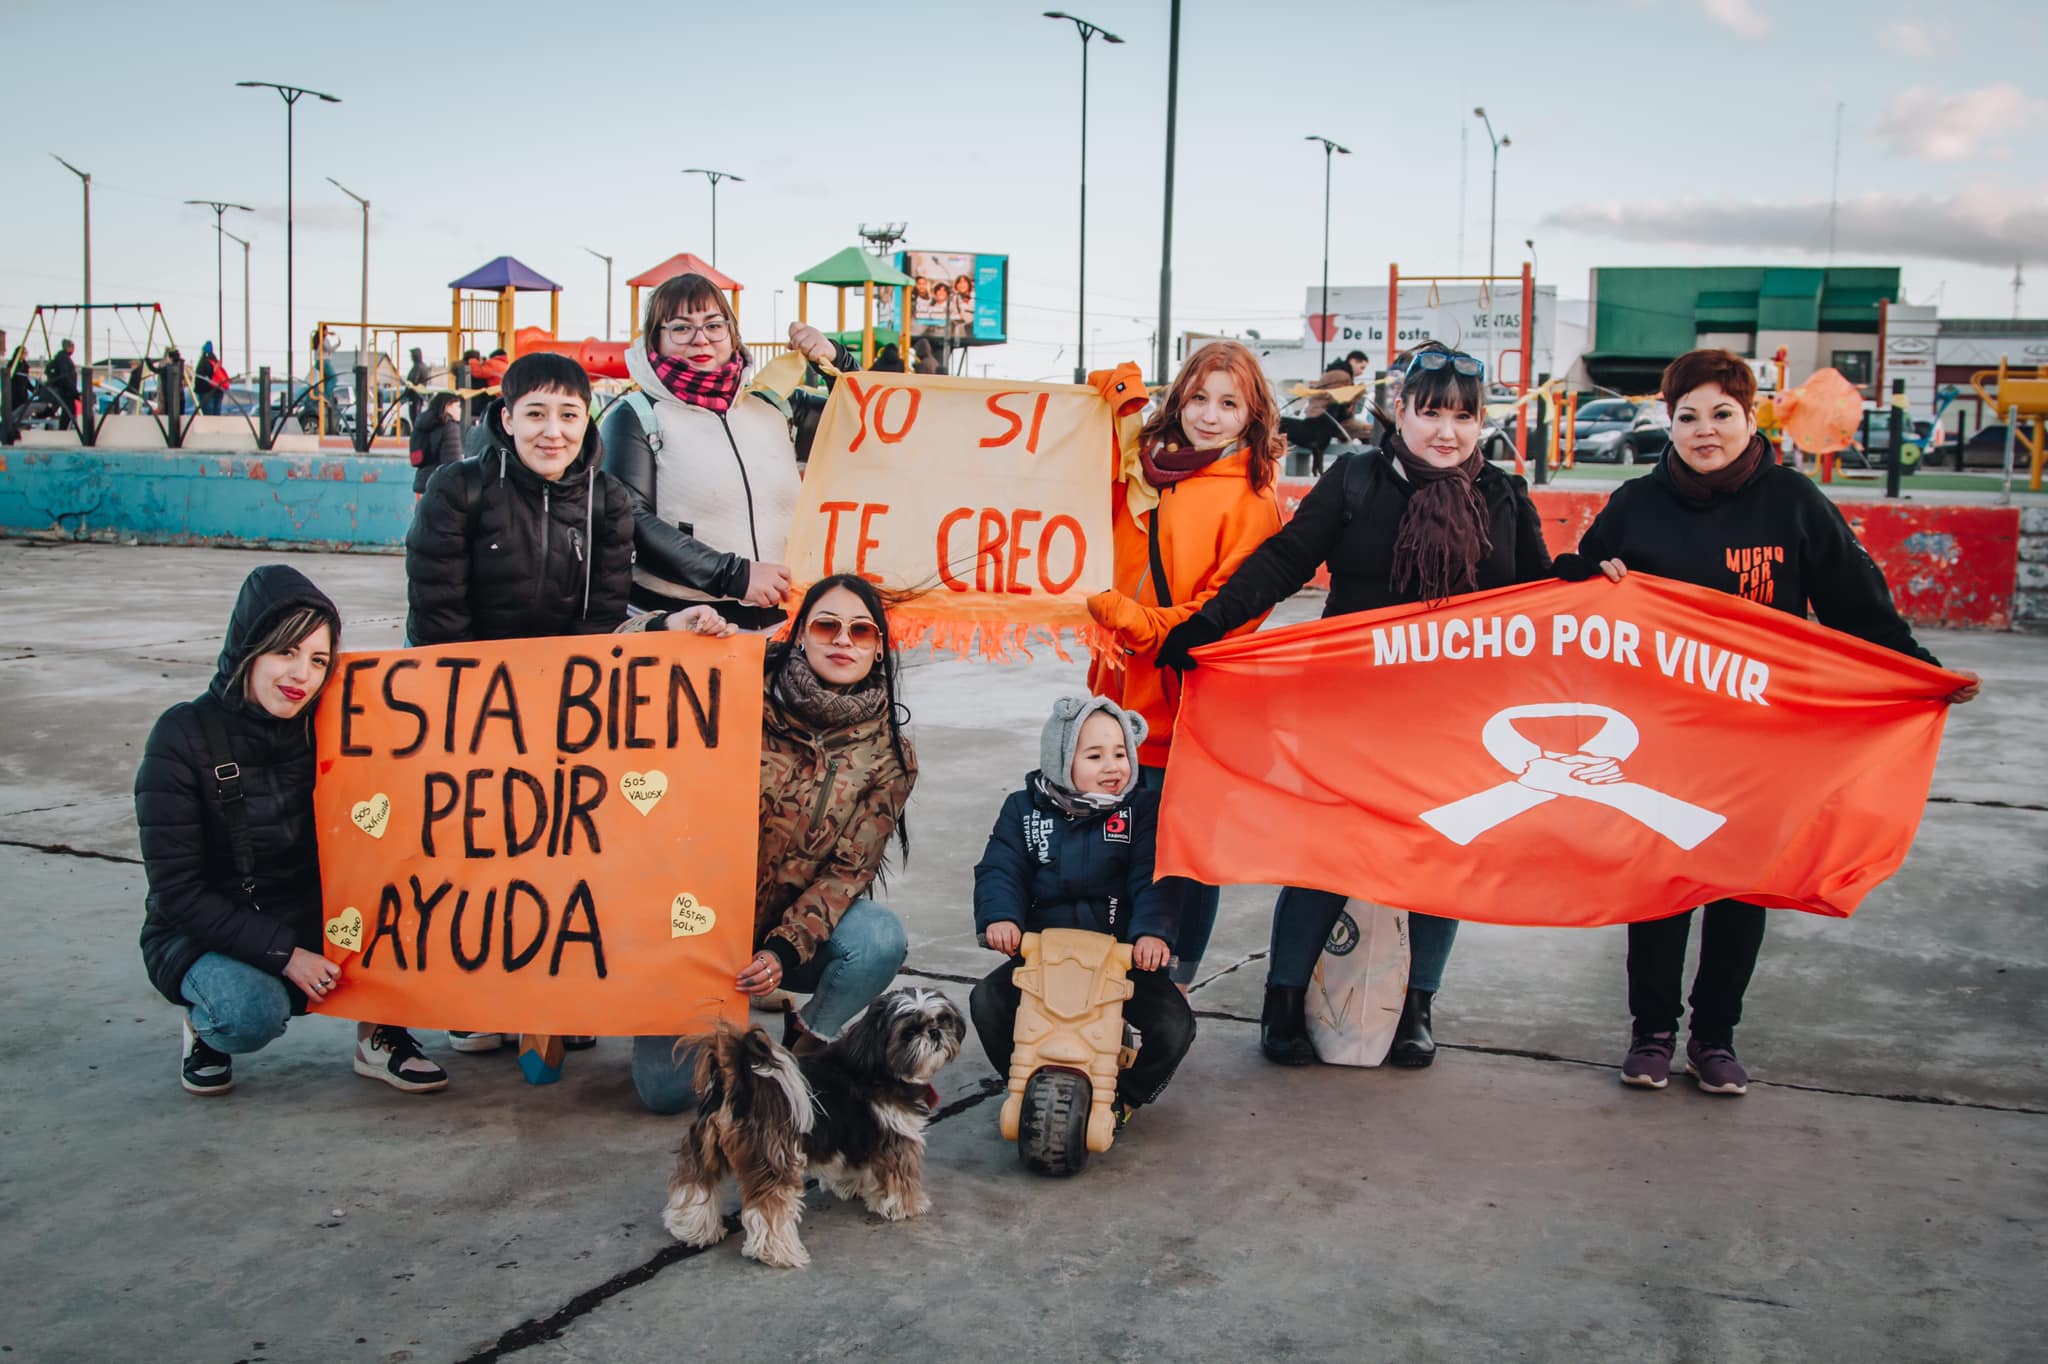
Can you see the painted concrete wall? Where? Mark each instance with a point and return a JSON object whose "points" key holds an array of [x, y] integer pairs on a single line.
{"points": [[162, 497], [1947, 565]]}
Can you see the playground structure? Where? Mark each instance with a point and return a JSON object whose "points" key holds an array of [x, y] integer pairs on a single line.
{"points": [[854, 268], [682, 263], [1526, 350], [2018, 397]]}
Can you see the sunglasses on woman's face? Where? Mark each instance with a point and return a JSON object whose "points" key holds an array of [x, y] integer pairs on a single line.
{"points": [[1457, 360], [862, 634]]}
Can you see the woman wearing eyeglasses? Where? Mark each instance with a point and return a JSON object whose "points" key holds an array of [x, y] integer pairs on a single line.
{"points": [[836, 771], [711, 467], [1422, 518]]}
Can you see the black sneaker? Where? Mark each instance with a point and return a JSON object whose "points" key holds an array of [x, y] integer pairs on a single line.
{"points": [[390, 1054], [206, 1072]]}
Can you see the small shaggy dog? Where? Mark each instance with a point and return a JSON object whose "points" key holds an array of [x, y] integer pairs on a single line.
{"points": [[854, 1112]]}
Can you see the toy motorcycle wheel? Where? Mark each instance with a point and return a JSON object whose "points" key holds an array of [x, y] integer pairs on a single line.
{"points": [[1052, 1132]]}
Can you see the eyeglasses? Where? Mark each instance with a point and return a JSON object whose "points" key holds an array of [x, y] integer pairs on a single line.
{"points": [[862, 634], [714, 330], [1456, 359]]}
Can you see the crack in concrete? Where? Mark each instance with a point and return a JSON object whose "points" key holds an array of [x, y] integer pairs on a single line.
{"points": [[1986, 804], [66, 850], [539, 1330]]}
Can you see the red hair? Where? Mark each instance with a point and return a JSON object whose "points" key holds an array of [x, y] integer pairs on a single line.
{"points": [[1262, 439], [1698, 368]]}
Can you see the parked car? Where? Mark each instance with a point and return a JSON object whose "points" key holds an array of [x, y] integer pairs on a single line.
{"points": [[1985, 449], [1619, 431]]}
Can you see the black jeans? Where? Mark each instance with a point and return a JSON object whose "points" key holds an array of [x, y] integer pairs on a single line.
{"points": [[1156, 1008], [1731, 932]]}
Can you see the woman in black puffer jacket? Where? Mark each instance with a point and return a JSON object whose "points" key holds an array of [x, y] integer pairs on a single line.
{"points": [[224, 807], [436, 441], [524, 541]]}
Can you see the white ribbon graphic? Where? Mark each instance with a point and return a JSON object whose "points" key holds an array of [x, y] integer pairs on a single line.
{"points": [[1590, 774]]}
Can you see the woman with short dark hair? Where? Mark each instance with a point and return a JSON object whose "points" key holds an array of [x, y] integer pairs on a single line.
{"points": [[1719, 511]]}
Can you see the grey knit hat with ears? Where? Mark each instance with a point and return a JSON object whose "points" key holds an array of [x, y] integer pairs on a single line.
{"points": [[1062, 735]]}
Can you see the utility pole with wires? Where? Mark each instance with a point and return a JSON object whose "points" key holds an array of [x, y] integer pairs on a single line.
{"points": [[86, 181]]}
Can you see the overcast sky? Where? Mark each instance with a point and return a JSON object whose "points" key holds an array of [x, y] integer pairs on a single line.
{"points": [[1644, 132]]}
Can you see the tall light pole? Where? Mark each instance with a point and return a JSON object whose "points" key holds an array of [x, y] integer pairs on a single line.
{"points": [[714, 176], [1493, 217], [363, 338], [248, 362], [1323, 332], [1087, 31], [220, 312], [775, 316], [291, 94], [607, 291], [1166, 234], [86, 181]]}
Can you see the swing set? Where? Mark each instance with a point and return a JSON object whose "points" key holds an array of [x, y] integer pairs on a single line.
{"points": [[146, 354], [1526, 350]]}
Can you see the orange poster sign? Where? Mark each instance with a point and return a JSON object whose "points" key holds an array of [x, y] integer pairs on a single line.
{"points": [[546, 835], [987, 498], [1558, 754]]}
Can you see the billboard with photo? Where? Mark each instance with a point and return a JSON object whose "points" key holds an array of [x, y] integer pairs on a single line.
{"points": [[960, 295]]}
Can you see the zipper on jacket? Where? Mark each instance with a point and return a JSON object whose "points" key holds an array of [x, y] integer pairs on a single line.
{"points": [[745, 482], [540, 577], [824, 798]]}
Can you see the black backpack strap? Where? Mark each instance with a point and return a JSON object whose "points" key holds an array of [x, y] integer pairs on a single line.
{"points": [[1360, 474], [227, 794], [1159, 583]]}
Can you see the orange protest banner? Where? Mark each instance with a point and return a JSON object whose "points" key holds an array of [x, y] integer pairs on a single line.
{"points": [[987, 499], [1558, 754], [543, 836]]}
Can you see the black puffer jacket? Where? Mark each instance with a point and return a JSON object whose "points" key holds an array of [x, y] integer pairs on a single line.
{"points": [[438, 442], [1350, 521], [498, 552], [195, 905], [1044, 868]]}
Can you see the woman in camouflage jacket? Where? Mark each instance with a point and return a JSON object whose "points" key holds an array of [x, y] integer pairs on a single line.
{"points": [[836, 771]]}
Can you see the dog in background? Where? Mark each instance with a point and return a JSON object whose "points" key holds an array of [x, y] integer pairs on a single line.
{"points": [[853, 1113]]}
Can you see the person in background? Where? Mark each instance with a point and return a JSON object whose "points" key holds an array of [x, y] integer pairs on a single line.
{"points": [[61, 377], [436, 439], [209, 381], [417, 376], [888, 360]]}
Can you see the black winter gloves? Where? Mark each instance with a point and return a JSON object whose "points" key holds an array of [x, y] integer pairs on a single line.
{"points": [[1573, 568], [1176, 650]]}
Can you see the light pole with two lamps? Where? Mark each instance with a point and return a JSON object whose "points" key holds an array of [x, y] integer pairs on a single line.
{"points": [[1323, 331], [220, 311], [714, 176], [1087, 31], [291, 94]]}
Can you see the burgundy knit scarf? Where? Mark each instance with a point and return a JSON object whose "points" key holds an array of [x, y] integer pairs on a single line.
{"points": [[713, 389], [1443, 533], [1166, 465], [1700, 489]]}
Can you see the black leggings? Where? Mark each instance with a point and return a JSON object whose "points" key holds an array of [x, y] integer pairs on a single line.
{"points": [[1156, 1009], [1731, 932]]}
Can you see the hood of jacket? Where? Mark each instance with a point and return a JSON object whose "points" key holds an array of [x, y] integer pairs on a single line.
{"points": [[267, 593]]}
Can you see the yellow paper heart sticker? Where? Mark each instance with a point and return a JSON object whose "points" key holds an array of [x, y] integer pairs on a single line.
{"points": [[643, 790], [372, 816], [687, 918], [345, 930]]}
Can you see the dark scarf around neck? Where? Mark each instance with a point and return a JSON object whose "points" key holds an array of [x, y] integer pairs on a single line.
{"points": [[712, 389], [1700, 489], [807, 696], [1443, 533], [1166, 465]]}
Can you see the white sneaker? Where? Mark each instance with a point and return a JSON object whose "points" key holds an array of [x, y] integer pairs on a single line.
{"points": [[204, 1071], [390, 1054], [475, 1041]]}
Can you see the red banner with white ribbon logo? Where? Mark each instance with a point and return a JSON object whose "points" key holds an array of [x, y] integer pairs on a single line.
{"points": [[1557, 754]]}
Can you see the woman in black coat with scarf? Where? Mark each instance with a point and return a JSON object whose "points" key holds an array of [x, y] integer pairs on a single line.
{"points": [[1422, 518], [224, 807]]}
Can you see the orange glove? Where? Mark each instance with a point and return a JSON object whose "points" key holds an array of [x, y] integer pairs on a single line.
{"points": [[1123, 388], [1113, 610]]}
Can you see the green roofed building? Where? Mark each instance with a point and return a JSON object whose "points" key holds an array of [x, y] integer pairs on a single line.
{"points": [[1643, 318]]}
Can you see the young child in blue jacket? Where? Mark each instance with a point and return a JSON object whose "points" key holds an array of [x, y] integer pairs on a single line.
{"points": [[1074, 849]]}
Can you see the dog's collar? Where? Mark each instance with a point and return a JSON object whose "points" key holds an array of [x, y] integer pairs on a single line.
{"points": [[930, 1096]]}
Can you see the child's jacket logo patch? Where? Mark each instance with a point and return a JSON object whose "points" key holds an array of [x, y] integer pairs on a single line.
{"points": [[1117, 828]]}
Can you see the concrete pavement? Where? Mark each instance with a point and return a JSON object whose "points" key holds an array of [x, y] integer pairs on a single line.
{"points": [[1879, 1194]]}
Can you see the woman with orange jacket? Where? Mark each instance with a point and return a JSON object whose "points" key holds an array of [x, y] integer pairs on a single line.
{"points": [[1199, 500]]}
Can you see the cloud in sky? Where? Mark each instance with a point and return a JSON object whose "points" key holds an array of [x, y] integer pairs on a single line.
{"points": [[1737, 15], [1982, 226], [1926, 125], [1909, 39]]}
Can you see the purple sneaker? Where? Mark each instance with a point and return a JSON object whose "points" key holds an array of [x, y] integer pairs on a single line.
{"points": [[1648, 1063], [1714, 1068]]}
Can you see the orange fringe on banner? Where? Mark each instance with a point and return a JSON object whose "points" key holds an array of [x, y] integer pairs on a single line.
{"points": [[923, 620]]}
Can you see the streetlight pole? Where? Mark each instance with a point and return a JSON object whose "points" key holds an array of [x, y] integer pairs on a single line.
{"points": [[248, 362], [1493, 217], [220, 312], [1087, 31], [1530, 242], [775, 315], [714, 176], [86, 181], [1323, 332], [363, 338], [1166, 235], [607, 291], [291, 94]]}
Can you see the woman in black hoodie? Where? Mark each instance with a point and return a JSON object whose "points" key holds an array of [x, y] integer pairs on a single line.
{"points": [[1719, 511], [436, 440], [1422, 518], [224, 807]]}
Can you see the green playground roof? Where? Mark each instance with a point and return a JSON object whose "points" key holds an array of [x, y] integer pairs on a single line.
{"points": [[854, 266]]}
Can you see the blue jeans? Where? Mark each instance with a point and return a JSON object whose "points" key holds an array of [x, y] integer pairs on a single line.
{"points": [[1197, 906], [236, 1008], [849, 969], [1302, 920]]}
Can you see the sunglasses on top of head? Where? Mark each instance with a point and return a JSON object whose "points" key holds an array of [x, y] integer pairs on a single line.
{"points": [[1458, 361], [862, 634]]}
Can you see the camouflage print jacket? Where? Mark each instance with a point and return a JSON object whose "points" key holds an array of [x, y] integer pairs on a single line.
{"points": [[829, 803]]}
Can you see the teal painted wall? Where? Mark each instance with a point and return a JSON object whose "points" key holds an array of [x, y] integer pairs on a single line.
{"points": [[169, 497]]}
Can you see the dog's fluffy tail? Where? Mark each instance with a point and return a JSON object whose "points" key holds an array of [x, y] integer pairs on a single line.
{"points": [[748, 1074]]}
